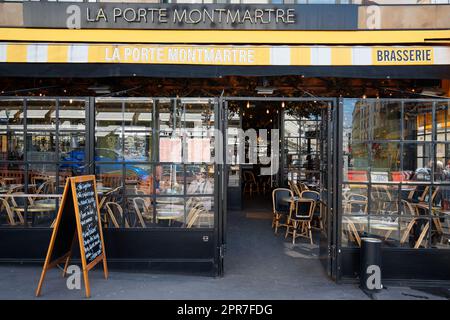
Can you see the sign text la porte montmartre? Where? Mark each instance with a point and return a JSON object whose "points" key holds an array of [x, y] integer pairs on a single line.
{"points": [[191, 16]]}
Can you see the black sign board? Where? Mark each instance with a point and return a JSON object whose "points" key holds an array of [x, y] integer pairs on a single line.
{"points": [[78, 219], [89, 221], [78, 15]]}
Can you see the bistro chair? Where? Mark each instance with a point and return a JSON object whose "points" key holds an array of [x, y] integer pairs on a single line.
{"points": [[196, 214], [11, 214], [250, 184], [142, 211], [356, 203], [351, 231], [301, 217], [281, 208], [115, 213], [294, 187], [314, 195], [302, 186]]}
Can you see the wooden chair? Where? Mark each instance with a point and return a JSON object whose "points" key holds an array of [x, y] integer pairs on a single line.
{"points": [[142, 211], [352, 232], [281, 209], [196, 213], [356, 201], [115, 213], [314, 195], [408, 208], [301, 217], [295, 189], [302, 186], [10, 213], [250, 184]]}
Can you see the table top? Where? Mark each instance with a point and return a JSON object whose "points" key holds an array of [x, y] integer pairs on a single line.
{"points": [[34, 208]]}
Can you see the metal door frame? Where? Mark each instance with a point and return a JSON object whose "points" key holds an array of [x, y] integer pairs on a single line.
{"points": [[334, 182]]}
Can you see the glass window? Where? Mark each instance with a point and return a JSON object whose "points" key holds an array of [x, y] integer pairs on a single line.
{"points": [[408, 158]]}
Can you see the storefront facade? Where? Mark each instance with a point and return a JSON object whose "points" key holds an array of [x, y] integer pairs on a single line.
{"points": [[167, 204]]}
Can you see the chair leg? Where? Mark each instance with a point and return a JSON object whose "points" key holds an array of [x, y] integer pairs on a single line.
{"points": [[310, 232], [294, 233]]}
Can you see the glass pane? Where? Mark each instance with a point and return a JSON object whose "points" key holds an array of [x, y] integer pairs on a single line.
{"points": [[137, 146], [140, 212], [291, 129], [12, 178], [353, 229], [200, 212], [417, 161], [72, 114], [354, 199], [169, 117], [11, 114], [356, 162], [109, 176], [170, 178], [72, 145], [170, 211], [41, 146], [385, 161], [356, 119], [137, 131], [385, 199], [441, 231], [414, 232], [200, 179], [41, 115], [417, 121], [139, 179], [386, 120], [138, 115], [113, 213], [198, 116], [42, 207], [11, 145], [108, 131]]}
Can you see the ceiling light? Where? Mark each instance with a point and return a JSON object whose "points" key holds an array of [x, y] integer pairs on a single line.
{"points": [[265, 90], [100, 89]]}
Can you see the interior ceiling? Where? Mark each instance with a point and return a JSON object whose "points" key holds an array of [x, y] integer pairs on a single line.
{"points": [[287, 86]]}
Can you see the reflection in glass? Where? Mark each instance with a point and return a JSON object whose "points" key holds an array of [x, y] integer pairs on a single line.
{"points": [[170, 211], [356, 162], [108, 131], [139, 179], [199, 212], [200, 179], [171, 179], [72, 114], [41, 115], [354, 199], [386, 120], [384, 199], [140, 212]]}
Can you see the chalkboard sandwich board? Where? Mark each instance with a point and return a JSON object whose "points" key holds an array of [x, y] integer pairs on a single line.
{"points": [[78, 219]]}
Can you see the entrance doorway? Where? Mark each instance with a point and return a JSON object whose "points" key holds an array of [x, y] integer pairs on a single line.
{"points": [[297, 135]]}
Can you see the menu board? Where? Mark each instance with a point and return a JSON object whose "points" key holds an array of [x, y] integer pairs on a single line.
{"points": [[87, 209], [199, 150], [170, 150], [78, 221]]}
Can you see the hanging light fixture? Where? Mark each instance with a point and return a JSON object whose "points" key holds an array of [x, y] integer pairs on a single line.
{"points": [[248, 104], [282, 104], [267, 111]]}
